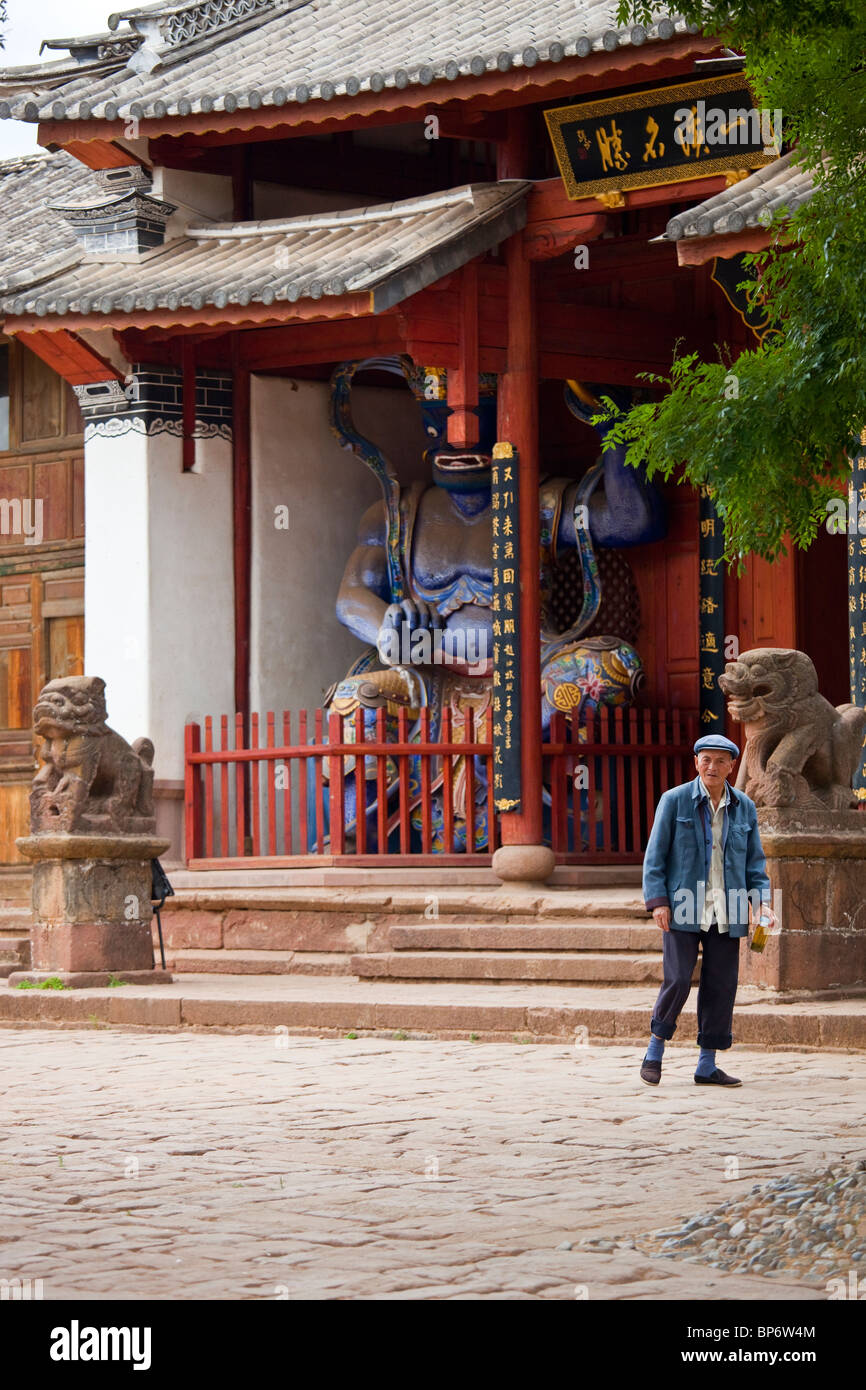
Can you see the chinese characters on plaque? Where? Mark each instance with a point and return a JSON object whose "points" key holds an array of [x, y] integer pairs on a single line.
{"points": [[857, 598], [505, 563], [662, 135], [712, 616]]}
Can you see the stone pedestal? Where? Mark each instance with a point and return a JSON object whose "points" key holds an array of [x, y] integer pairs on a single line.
{"points": [[528, 864], [817, 865], [91, 909]]}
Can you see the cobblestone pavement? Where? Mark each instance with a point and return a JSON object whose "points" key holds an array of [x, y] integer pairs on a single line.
{"points": [[169, 1165]]}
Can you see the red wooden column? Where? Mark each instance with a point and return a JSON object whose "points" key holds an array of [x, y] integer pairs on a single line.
{"points": [[463, 379], [518, 424], [242, 507]]}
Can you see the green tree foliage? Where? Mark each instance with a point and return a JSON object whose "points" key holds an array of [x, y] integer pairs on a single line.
{"points": [[770, 432]]}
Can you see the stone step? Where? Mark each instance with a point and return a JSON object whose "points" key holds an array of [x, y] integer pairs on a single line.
{"points": [[571, 1015], [15, 918], [348, 920], [14, 953], [525, 936], [15, 887], [583, 967], [228, 962]]}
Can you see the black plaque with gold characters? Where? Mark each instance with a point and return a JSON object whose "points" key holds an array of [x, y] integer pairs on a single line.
{"points": [[662, 135], [505, 563], [857, 596], [712, 615]]}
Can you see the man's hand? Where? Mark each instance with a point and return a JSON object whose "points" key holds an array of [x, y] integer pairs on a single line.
{"points": [[662, 917], [764, 911]]}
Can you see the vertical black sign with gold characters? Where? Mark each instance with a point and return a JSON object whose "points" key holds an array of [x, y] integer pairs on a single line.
{"points": [[857, 597], [712, 616], [505, 563]]}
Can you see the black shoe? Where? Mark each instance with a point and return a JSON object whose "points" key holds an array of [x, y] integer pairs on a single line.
{"points": [[650, 1072], [718, 1078]]}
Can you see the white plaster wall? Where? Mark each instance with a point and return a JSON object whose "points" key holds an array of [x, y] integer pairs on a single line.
{"points": [[298, 648], [117, 625], [159, 605], [192, 638]]}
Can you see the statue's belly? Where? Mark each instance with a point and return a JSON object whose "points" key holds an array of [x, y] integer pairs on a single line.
{"points": [[467, 641]]}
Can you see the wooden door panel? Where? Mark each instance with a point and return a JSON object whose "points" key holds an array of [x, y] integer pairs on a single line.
{"points": [[65, 647], [16, 688], [14, 820]]}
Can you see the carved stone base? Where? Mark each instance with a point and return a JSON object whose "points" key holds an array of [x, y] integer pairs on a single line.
{"points": [[523, 863], [817, 863], [91, 905]]}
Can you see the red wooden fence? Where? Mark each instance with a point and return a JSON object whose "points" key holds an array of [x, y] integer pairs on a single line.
{"points": [[267, 800]]}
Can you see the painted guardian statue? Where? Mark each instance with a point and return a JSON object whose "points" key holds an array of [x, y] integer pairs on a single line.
{"points": [[418, 591]]}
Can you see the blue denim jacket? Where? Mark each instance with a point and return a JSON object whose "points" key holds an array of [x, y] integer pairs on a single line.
{"points": [[677, 858]]}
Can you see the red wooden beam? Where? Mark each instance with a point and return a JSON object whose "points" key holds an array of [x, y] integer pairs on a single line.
{"points": [[472, 125], [463, 382], [188, 396], [101, 154], [549, 201], [68, 355], [547, 239]]}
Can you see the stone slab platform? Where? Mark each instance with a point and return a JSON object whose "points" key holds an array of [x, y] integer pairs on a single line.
{"points": [[226, 1166], [508, 1011]]}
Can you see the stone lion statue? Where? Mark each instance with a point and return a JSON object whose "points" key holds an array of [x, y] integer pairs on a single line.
{"points": [[800, 751], [91, 780]]}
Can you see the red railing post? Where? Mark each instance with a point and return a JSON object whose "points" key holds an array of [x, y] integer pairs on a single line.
{"points": [[403, 772], [254, 787], [224, 788], [336, 786], [491, 792], [360, 783], [270, 786], [447, 784], [192, 793], [469, 730], [207, 769], [240, 789], [381, 786], [426, 797]]}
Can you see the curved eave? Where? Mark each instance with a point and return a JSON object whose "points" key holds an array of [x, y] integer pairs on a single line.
{"points": [[344, 306], [697, 250], [494, 89]]}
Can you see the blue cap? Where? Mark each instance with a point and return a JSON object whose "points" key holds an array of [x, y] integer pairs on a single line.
{"points": [[724, 745]]}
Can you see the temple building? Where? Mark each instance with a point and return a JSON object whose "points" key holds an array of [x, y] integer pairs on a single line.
{"points": [[306, 309]]}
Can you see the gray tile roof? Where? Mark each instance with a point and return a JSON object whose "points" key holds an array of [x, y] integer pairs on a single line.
{"points": [[227, 55], [391, 250], [749, 203], [37, 243]]}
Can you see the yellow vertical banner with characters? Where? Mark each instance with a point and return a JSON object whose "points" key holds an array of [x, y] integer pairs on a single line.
{"points": [[712, 615]]}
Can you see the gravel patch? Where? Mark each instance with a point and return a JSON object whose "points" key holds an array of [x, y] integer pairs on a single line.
{"points": [[806, 1225]]}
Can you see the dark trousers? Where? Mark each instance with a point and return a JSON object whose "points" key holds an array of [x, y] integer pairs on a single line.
{"points": [[720, 961]]}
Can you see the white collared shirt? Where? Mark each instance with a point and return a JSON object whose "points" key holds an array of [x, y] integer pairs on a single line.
{"points": [[714, 901]]}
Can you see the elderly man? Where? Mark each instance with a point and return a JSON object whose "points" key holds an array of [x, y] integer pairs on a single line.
{"points": [[704, 878]]}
